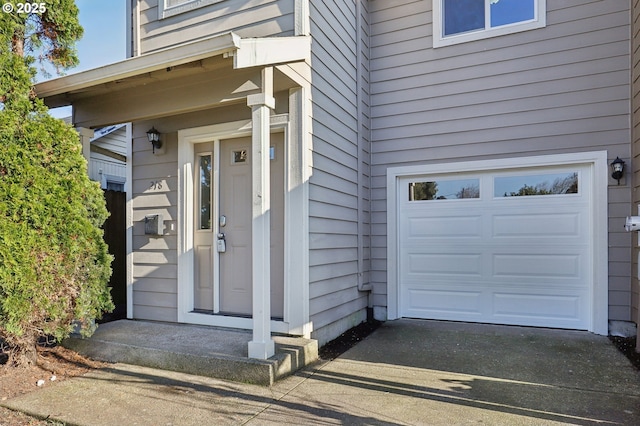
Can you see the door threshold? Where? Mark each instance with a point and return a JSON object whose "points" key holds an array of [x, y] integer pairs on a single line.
{"points": [[228, 314]]}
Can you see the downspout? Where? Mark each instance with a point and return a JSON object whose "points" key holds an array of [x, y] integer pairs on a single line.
{"points": [[362, 286]]}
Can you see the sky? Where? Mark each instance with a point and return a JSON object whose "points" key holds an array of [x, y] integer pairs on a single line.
{"points": [[104, 40]]}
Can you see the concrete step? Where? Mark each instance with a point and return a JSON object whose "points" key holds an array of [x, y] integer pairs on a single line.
{"points": [[206, 351]]}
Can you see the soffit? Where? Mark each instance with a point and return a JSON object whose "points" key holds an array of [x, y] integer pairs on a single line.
{"points": [[223, 52]]}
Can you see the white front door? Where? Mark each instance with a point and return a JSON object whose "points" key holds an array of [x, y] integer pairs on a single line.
{"points": [[222, 211], [507, 247]]}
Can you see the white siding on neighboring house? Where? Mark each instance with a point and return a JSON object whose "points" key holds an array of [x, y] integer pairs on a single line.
{"points": [[340, 172], [559, 89], [256, 18], [104, 168]]}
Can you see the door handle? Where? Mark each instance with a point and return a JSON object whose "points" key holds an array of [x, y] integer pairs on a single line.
{"points": [[221, 244]]}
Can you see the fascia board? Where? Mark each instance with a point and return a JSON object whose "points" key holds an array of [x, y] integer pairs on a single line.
{"points": [[255, 52]]}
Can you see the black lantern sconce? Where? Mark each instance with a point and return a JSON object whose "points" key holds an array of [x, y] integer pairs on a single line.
{"points": [[617, 169], [154, 138]]}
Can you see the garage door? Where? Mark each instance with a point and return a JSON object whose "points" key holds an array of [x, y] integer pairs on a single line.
{"points": [[504, 247]]}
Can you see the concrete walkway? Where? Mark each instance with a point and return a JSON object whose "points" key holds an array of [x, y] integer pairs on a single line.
{"points": [[221, 353], [407, 372]]}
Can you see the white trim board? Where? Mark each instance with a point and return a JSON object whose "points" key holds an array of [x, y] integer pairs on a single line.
{"points": [[597, 160], [294, 321]]}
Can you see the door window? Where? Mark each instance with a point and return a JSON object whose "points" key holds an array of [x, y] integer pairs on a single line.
{"points": [[204, 191]]}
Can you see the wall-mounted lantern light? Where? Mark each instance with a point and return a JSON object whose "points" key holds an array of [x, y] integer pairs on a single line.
{"points": [[154, 137], [617, 169]]}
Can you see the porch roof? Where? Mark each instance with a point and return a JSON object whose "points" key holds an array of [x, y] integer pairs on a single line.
{"points": [[248, 52]]}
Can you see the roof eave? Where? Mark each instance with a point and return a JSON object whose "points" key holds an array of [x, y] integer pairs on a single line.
{"points": [[169, 57]]}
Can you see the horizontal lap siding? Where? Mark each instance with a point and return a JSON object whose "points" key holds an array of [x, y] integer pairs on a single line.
{"points": [[256, 18], [562, 88], [334, 184], [635, 92], [103, 165], [154, 258], [115, 141]]}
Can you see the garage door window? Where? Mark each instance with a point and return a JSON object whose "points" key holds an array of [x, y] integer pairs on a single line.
{"points": [[538, 184], [444, 189]]}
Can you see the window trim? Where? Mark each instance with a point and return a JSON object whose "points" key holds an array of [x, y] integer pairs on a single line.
{"points": [[105, 179], [439, 40], [165, 11]]}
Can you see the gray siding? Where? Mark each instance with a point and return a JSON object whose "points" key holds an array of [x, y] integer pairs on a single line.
{"points": [[338, 220], [256, 18], [635, 165], [563, 88], [155, 259]]}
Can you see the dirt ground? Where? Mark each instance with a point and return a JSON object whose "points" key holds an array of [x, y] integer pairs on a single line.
{"points": [[55, 364]]}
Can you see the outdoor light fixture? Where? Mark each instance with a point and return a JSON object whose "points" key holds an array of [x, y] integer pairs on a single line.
{"points": [[617, 169], [154, 137]]}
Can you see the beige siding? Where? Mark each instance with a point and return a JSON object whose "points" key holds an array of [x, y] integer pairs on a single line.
{"points": [[365, 146], [255, 18], [635, 166], [563, 88], [338, 219], [155, 260]]}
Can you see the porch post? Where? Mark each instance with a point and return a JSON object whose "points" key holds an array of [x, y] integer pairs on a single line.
{"points": [[262, 346]]}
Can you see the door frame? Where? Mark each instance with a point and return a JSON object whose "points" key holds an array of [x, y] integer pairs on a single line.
{"points": [[597, 161], [294, 313]]}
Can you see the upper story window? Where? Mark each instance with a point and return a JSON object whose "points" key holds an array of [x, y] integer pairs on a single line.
{"points": [[168, 8], [459, 21]]}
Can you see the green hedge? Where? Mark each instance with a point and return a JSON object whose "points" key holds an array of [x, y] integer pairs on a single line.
{"points": [[54, 264]]}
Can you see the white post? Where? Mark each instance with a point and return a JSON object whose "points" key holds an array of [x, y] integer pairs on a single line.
{"points": [[85, 139], [262, 346]]}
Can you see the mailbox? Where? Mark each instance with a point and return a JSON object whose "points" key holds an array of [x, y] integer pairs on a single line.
{"points": [[153, 224]]}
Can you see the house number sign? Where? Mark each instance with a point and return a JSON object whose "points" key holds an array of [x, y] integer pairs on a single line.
{"points": [[156, 185]]}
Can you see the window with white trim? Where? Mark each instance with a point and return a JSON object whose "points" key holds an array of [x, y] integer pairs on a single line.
{"points": [[169, 8], [112, 183], [460, 21]]}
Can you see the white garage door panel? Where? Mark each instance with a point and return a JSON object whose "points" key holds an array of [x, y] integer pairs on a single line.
{"points": [[558, 225], [511, 260], [456, 264], [537, 266], [521, 307], [459, 226], [538, 307], [443, 304]]}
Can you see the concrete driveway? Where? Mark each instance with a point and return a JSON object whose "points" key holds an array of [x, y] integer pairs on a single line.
{"points": [[407, 372]]}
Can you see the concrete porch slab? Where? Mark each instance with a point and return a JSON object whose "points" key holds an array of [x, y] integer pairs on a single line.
{"points": [[205, 351]]}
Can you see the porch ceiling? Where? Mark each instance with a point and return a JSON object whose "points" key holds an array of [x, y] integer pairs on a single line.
{"points": [[216, 70]]}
